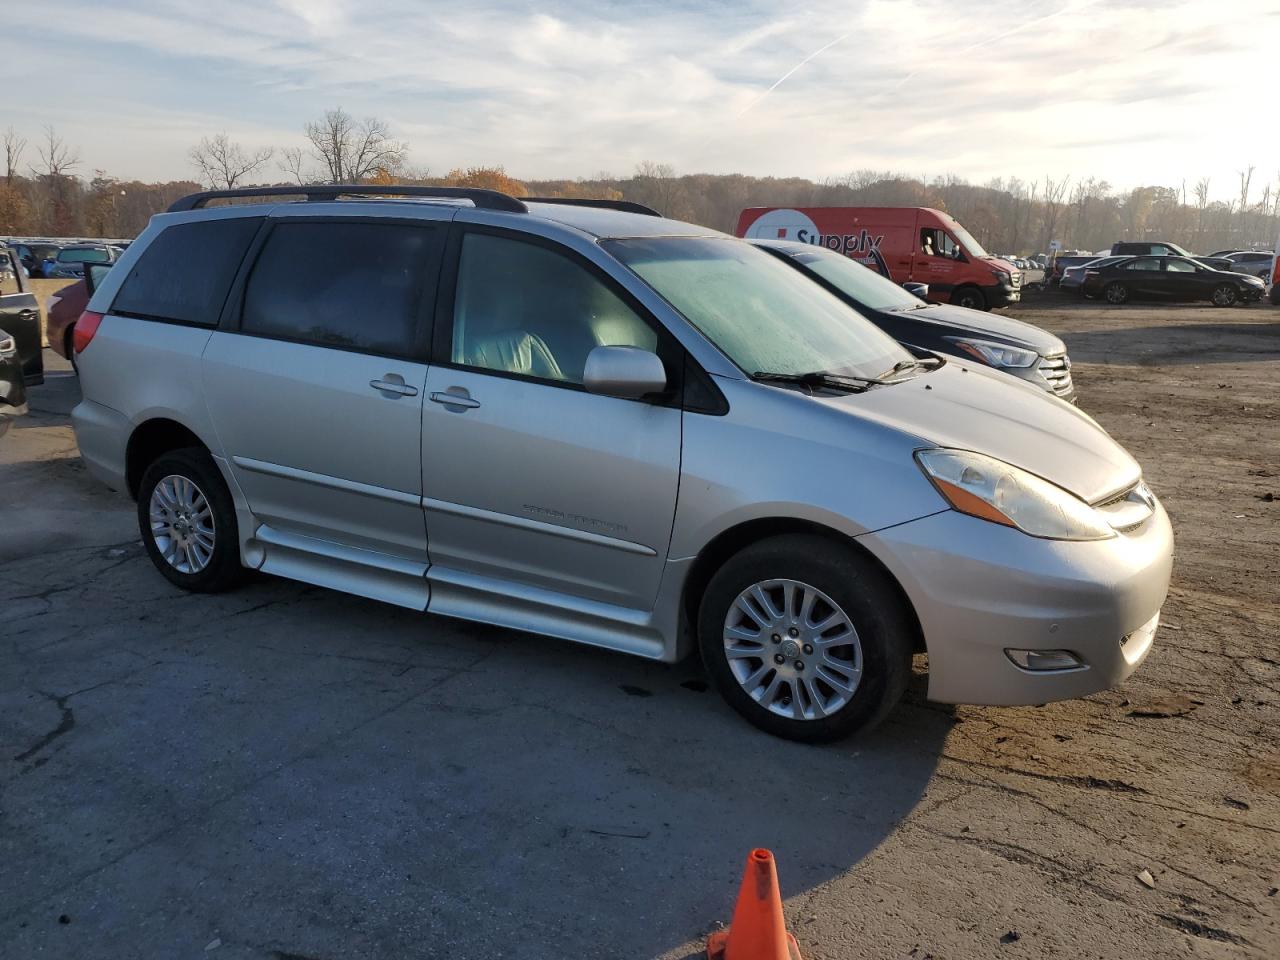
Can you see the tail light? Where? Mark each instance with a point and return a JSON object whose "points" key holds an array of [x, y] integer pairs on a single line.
{"points": [[85, 328], [1091, 273]]}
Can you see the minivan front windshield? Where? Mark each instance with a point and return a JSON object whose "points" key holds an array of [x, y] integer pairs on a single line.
{"points": [[861, 284], [764, 315]]}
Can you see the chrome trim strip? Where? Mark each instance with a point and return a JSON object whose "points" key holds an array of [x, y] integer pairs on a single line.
{"points": [[324, 480], [535, 526]]}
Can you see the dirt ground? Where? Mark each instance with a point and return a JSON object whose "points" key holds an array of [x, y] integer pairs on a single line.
{"points": [[284, 772]]}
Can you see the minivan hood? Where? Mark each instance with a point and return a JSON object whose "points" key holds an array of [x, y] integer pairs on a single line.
{"points": [[983, 324], [974, 408]]}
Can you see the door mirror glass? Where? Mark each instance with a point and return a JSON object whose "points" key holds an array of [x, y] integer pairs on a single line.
{"points": [[920, 290], [626, 372], [93, 274]]}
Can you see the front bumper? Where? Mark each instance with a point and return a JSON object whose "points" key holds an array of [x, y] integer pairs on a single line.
{"points": [[980, 589], [1001, 295]]}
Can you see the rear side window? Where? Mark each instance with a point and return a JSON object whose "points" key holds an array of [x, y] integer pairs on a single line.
{"points": [[354, 285], [1143, 265], [184, 275]]}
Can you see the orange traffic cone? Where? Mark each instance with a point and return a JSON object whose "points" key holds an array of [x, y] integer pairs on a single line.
{"points": [[758, 931]]}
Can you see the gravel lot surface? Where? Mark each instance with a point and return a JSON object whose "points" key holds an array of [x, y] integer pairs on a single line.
{"points": [[285, 772]]}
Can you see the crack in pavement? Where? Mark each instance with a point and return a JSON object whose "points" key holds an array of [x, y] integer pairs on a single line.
{"points": [[235, 792], [65, 725]]}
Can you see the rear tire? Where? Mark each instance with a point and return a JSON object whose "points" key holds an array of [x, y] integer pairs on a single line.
{"points": [[1116, 292], [69, 345], [188, 522], [808, 684], [1225, 295], [970, 297]]}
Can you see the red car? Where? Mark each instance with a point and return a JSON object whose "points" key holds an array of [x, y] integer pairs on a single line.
{"points": [[64, 308]]}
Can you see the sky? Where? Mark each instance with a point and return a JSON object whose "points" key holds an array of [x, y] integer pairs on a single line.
{"points": [[1143, 92]]}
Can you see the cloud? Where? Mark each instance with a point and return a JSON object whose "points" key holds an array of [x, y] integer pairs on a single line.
{"points": [[978, 89]]}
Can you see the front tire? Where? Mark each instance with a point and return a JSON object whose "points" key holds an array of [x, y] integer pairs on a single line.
{"points": [[807, 639], [1225, 295], [970, 297], [188, 522]]}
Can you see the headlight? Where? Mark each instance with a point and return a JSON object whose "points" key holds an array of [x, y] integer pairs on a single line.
{"points": [[992, 490], [8, 347], [1003, 277], [996, 354]]}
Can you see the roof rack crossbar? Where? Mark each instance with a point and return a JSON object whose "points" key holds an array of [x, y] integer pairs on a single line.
{"points": [[626, 206], [483, 199]]}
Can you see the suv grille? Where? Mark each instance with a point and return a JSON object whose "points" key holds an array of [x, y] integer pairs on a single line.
{"points": [[1057, 370]]}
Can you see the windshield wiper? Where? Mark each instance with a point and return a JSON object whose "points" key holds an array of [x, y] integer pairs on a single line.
{"points": [[820, 378]]}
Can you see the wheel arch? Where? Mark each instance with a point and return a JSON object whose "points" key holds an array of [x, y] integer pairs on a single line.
{"points": [[150, 439], [731, 541]]}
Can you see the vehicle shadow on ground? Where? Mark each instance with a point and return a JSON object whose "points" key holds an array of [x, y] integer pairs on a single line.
{"points": [[1176, 343], [301, 773]]}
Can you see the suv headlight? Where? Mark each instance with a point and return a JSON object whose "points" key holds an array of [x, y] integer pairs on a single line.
{"points": [[992, 490], [8, 347], [996, 354]]}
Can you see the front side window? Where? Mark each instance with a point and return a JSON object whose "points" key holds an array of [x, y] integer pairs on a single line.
{"points": [[762, 314], [345, 284], [524, 309], [1179, 266], [938, 243]]}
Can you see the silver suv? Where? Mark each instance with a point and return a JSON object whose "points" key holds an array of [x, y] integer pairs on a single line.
{"points": [[605, 426]]}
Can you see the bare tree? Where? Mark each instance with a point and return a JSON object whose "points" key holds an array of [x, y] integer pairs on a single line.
{"points": [[56, 158], [293, 162], [353, 150], [1053, 195], [223, 163], [1246, 177], [13, 147], [1202, 201]]}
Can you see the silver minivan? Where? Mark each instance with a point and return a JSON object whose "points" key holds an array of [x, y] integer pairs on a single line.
{"points": [[583, 420]]}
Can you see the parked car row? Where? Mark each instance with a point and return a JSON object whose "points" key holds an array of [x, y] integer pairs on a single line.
{"points": [[590, 422], [43, 259]]}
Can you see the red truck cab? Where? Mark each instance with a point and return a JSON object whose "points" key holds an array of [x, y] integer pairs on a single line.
{"points": [[906, 244]]}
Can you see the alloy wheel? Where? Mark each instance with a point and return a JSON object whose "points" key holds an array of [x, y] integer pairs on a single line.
{"points": [[1224, 296], [182, 524], [1117, 293], [793, 649]]}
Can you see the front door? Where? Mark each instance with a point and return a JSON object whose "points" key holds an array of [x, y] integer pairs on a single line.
{"points": [[527, 478], [20, 317], [1183, 279], [316, 393], [939, 261]]}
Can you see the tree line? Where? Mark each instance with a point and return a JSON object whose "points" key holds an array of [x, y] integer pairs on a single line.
{"points": [[45, 192]]}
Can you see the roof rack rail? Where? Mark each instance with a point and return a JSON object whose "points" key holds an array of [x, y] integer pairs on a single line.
{"points": [[626, 206], [483, 199]]}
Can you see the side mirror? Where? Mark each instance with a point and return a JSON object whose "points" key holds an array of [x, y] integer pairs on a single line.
{"points": [[93, 274], [920, 290], [626, 372]]}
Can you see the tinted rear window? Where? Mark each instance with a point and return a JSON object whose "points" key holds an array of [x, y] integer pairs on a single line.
{"points": [[185, 273], [83, 255], [346, 284]]}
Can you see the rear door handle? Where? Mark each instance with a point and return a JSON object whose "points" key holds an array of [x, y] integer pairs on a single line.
{"points": [[454, 400], [397, 386]]}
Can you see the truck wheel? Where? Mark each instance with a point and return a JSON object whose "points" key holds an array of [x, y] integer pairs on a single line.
{"points": [[807, 639], [188, 522], [1116, 292], [970, 297], [1225, 295]]}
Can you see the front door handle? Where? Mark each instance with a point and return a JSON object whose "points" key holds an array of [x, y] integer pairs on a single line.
{"points": [[396, 386], [454, 400]]}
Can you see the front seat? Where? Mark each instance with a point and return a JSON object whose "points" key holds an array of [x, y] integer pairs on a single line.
{"points": [[515, 351]]}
